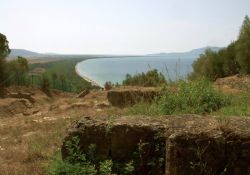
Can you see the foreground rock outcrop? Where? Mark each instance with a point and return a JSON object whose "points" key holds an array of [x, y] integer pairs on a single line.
{"points": [[124, 97], [170, 145]]}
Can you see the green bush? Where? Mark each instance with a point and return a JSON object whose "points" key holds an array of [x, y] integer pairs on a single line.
{"points": [[79, 163], [192, 97], [197, 97], [151, 78], [75, 164]]}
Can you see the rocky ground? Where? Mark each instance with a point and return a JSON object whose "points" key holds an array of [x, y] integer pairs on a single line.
{"points": [[33, 125]]}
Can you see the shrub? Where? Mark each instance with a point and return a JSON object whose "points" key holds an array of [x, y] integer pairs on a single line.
{"points": [[79, 163], [75, 164], [151, 78], [191, 97], [197, 97]]}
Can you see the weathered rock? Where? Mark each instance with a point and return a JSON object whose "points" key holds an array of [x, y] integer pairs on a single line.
{"points": [[170, 145], [27, 96], [16, 106], [239, 82], [83, 93], [129, 97]]}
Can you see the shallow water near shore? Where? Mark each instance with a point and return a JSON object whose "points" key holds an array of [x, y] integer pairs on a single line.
{"points": [[115, 69]]}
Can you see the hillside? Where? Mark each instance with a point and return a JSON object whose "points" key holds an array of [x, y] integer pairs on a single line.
{"points": [[24, 53], [33, 125]]}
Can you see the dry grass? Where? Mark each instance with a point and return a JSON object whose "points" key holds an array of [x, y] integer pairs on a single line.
{"points": [[27, 143]]}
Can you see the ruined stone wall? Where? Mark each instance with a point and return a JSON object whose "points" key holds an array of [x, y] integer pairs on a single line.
{"points": [[170, 145]]}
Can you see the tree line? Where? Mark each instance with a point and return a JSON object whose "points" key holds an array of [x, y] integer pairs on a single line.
{"points": [[233, 59], [17, 72], [150, 78]]}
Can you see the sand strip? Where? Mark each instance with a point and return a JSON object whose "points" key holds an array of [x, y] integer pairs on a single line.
{"points": [[93, 83]]}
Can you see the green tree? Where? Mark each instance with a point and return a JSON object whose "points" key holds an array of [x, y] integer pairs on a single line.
{"points": [[4, 52], [54, 78], [18, 68], [209, 65], [45, 84], [150, 78], [230, 64], [243, 47], [63, 81]]}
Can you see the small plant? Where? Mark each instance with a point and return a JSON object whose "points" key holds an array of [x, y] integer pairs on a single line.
{"points": [[79, 163], [106, 167], [129, 168], [75, 164]]}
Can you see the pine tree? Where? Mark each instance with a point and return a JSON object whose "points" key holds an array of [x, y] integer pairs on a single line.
{"points": [[243, 47]]}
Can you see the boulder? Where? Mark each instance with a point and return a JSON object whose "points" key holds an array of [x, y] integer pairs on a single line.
{"points": [[129, 97], [168, 145]]}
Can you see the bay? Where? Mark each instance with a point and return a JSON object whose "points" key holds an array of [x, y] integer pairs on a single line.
{"points": [[114, 69]]}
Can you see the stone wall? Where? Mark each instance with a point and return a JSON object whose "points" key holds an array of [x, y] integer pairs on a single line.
{"points": [[129, 97], [170, 145]]}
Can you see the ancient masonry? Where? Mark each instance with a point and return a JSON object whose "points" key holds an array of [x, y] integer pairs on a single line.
{"points": [[169, 145]]}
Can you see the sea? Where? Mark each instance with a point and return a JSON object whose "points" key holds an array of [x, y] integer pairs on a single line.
{"points": [[114, 69]]}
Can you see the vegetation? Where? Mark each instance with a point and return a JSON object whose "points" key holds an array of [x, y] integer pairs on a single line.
{"points": [[243, 47], [4, 52], [228, 61], [78, 163], [58, 74], [151, 78], [45, 85], [239, 106], [61, 75], [197, 97], [18, 71]]}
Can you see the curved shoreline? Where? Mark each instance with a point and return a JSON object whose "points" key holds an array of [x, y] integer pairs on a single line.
{"points": [[93, 82]]}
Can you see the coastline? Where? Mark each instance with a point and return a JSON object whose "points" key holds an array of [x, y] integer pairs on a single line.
{"points": [[93, 83]]}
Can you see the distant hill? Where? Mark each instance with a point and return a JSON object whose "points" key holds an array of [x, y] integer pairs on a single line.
{"points": [[190, 54], [24, 53]]}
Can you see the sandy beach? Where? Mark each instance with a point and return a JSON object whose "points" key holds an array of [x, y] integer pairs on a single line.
{"points": [[93, 83]]}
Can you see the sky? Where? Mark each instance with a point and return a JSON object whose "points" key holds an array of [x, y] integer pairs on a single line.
{"points": [[120, 26]]}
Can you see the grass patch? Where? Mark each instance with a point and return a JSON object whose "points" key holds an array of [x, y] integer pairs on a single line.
{"points": [[240, 106]]}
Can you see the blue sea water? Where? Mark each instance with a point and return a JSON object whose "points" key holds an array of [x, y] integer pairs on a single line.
{"points": [[115, 69]]}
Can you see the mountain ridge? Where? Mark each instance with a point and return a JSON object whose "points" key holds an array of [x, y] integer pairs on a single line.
{"points": [[194, 53], [189, 54]]}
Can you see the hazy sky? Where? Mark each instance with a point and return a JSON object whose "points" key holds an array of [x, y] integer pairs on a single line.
{"points": [[120, 26]]}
